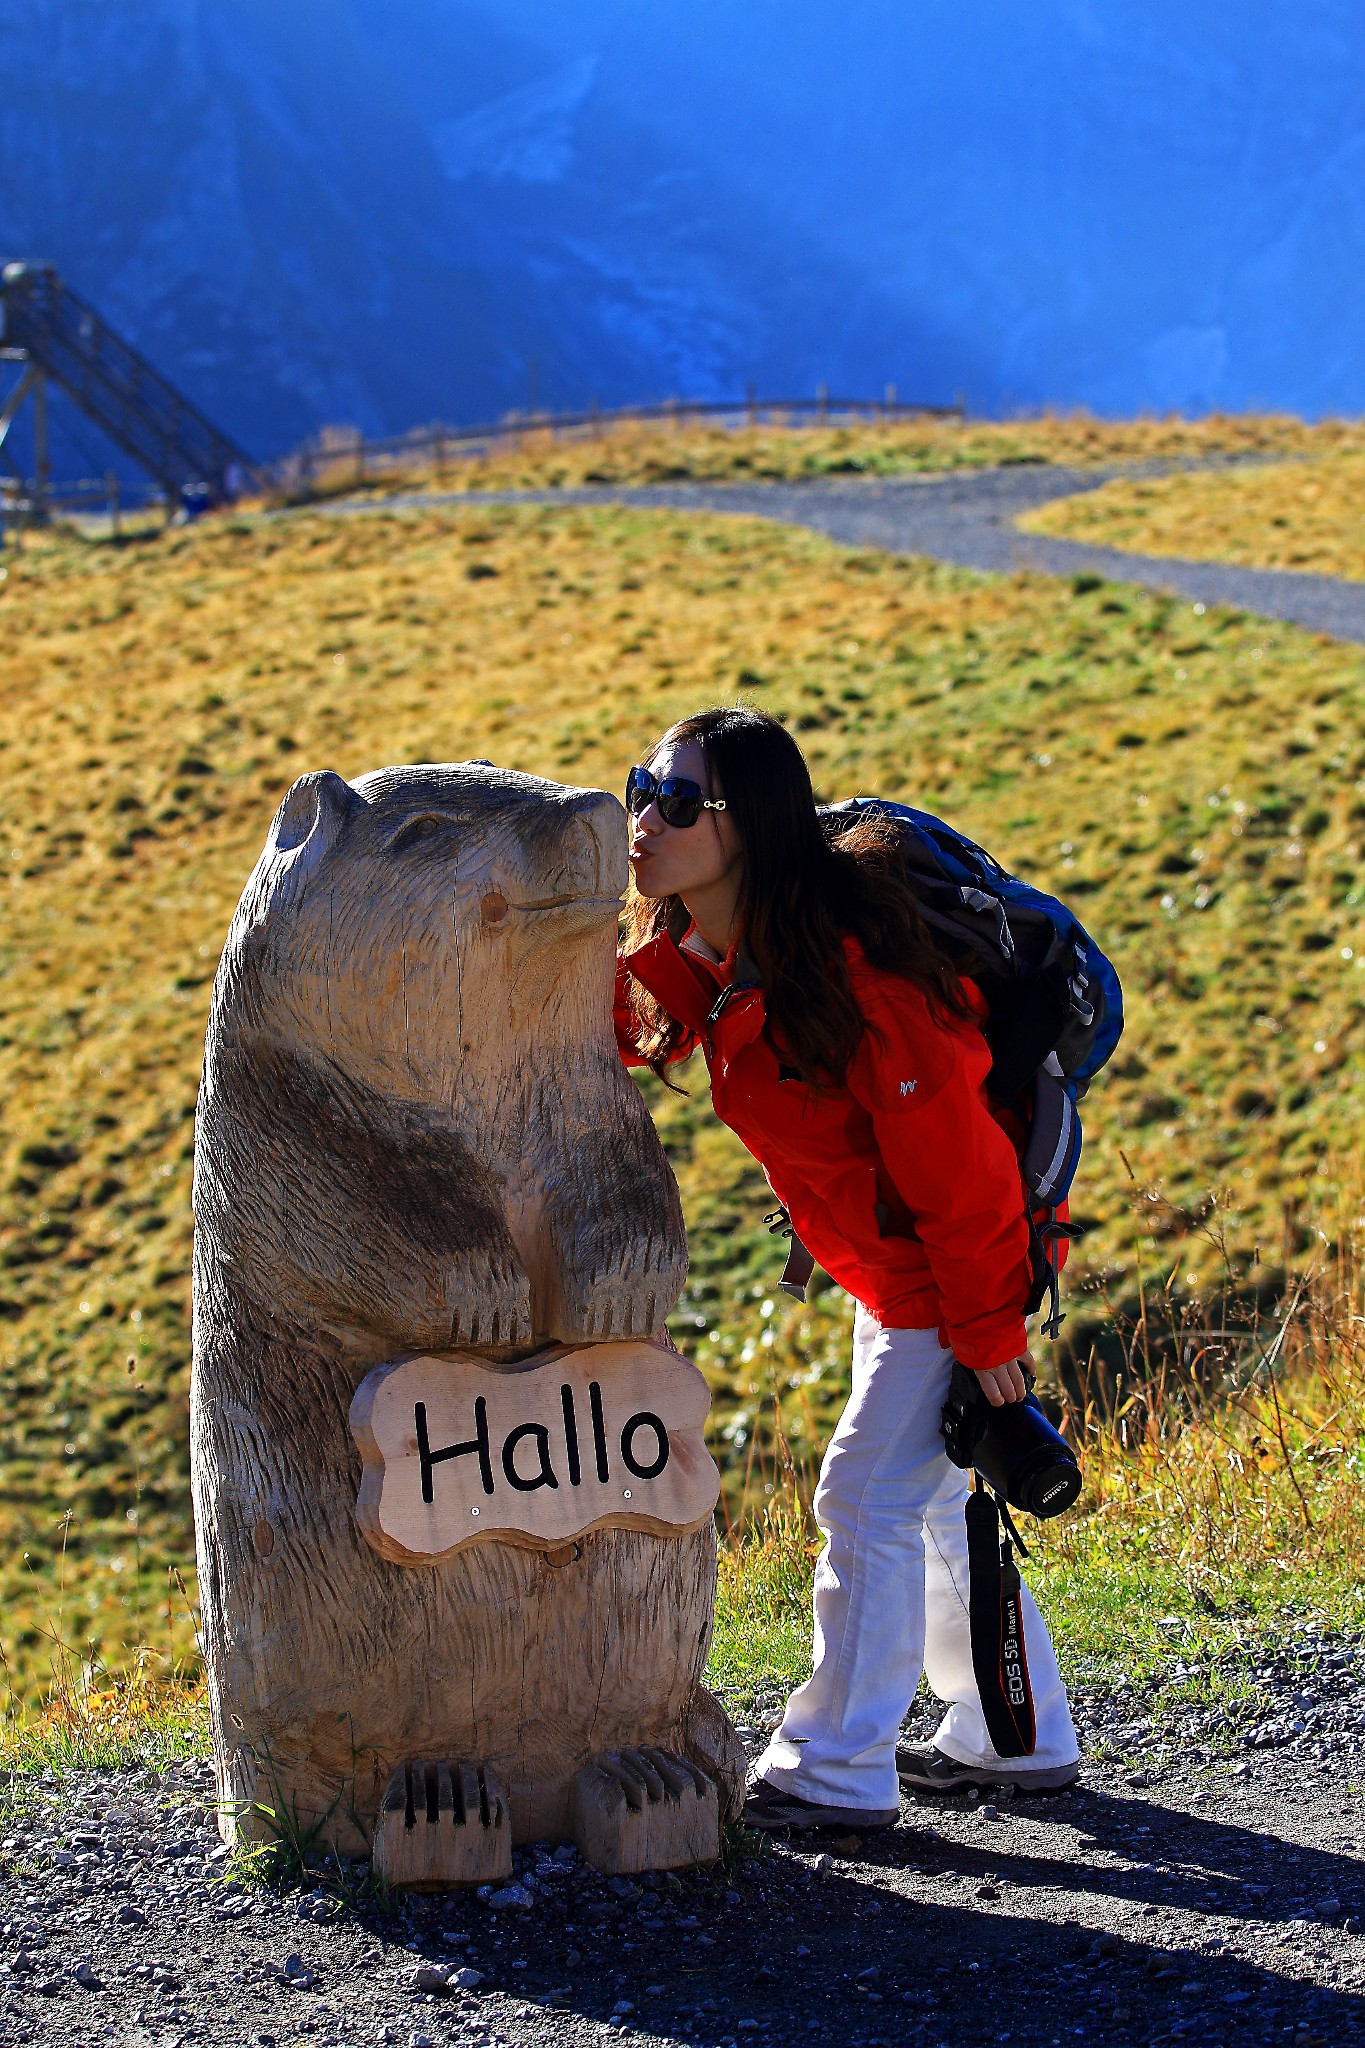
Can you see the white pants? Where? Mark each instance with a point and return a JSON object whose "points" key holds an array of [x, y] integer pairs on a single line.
{"points": [[891, 1594]]}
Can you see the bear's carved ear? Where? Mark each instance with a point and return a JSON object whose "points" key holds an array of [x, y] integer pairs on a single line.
{"points": [[313, 815], [306, 828]]}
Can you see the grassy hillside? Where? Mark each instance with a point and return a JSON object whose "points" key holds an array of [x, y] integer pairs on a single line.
{"points": [[650, 452], [1195, 782], [1304, 515]]}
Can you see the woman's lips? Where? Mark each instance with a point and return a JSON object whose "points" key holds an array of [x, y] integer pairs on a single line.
{"points": [[639, 853]]}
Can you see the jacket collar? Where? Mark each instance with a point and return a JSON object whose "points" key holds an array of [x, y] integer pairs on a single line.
{"points": [[689, 986]]}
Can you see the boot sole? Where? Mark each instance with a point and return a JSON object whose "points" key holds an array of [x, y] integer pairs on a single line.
{"points": [[844, 1822], [1055, 1779]]}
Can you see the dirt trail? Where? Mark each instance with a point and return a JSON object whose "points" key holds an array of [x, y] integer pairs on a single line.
{"points": [[967, 518]]}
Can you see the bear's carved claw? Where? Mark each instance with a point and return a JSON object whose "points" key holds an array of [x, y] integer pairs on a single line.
{"points": [[443, 1824], [644, 1809]]}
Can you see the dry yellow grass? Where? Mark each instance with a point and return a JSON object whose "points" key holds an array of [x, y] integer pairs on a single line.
{"points": [[647, 452], [1197, 784], [1215, 1503], [1308, 516]]}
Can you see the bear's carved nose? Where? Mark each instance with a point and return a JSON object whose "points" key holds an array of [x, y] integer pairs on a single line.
{"points": [[572, 856], [595, 847], [579, 865]]}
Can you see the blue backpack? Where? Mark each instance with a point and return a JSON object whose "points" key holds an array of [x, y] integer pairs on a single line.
{"points": [[1054, 1004]]}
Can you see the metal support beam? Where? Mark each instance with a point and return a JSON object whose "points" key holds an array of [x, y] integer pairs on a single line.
{"points": [[42, 462], [42, 320], [9, 412]]}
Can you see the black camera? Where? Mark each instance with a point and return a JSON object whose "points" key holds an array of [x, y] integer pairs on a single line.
{"points": [[1014, 1448]]}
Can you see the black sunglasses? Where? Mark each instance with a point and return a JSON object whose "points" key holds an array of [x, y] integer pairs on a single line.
{"points": [[679, 799]]}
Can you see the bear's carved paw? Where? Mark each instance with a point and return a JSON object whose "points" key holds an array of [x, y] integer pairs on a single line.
{"points": [[617, 1285], [443, 1824], [485, 1309], [644, 1809]]}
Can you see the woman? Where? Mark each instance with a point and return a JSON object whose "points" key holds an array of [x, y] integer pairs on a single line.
{"points": [[845, 1053]]}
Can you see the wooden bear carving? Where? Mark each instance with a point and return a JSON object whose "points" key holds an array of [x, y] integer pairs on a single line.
{"points": [[415, 1140]]}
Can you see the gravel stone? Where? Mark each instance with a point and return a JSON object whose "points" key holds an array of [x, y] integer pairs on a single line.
{"points": [[430, 1977], [1180, 1861], [511, 1898]]}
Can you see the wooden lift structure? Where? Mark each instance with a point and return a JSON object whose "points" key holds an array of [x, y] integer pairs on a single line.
{"points": [[57, 337]]}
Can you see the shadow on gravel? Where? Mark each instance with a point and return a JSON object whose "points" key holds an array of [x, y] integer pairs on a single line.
{"points": [[1200, 1863], [921, 1939]]}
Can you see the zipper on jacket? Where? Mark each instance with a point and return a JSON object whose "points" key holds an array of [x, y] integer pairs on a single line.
{"points": [[713, 1016]]}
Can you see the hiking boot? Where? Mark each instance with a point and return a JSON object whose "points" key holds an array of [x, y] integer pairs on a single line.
{"points": [[928, 1770], [768, 1807]]}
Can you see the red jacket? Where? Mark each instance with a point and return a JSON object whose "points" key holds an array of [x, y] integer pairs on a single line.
{"points": [[901, 1183]]}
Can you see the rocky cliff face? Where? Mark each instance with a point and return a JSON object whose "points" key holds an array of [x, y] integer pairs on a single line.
{"points": [[1074, 201], [323, 211], [384, 211]]}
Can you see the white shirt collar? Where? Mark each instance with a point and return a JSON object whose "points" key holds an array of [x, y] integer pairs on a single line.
{"points": [[695, 943]]}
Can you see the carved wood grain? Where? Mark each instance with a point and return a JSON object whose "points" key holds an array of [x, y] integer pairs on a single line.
{"points": [[414, 1135], [644, 1809]]}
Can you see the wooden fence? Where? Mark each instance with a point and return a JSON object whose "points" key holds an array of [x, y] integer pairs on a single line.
{"points": [[339, 457]]}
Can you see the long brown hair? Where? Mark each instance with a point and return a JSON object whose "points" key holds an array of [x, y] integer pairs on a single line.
{"points": [[803, 890]]}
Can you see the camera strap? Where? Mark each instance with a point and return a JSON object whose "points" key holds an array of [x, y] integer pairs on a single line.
{"points": [[796, 1274], [996, 1616]]}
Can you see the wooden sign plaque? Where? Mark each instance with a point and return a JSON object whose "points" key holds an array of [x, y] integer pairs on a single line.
{"points": [[458, 1451]]}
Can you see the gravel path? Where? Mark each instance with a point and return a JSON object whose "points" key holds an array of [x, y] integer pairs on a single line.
{"points": [[1209, 1888], [967, 519]]}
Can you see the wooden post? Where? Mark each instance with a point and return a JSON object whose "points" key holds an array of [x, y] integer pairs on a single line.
{"points": [[111, 493], [822, 399], [751, 403], [429, 1201]]}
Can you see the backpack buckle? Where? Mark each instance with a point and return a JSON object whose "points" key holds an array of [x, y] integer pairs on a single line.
{"points": [[979, 900]]}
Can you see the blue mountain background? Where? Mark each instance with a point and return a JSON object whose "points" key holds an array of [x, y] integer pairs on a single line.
{"points": [[381, 212]]}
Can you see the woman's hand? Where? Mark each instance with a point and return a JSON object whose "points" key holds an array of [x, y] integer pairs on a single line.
{"points": [[1006, 1382]]}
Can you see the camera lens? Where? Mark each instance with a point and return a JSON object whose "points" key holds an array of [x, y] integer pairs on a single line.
{"points": [[1049, 1487], [1022, 1456], [1015, 1448]]}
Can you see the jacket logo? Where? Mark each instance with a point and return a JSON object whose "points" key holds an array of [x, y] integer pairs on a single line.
{"points": [[908, 1087]]}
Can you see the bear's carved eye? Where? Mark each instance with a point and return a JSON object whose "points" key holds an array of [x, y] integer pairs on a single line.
{"points": [[414, 832]]}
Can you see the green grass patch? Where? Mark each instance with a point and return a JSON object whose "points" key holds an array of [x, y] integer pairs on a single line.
{"points": [[1193, 781]]}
